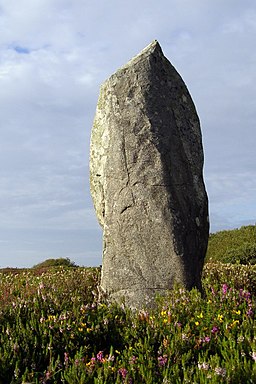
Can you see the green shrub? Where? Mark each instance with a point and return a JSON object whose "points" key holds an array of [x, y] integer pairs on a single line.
{"points": [[60, 262], [245, 254], [233, 246]]}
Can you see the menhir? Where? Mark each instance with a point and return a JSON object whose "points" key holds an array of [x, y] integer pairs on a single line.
{"points": [[146, 161]]}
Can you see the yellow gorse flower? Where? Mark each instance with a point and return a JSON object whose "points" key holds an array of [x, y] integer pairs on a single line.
{"points": [[237, 312], [235, 322], [83, 325]]}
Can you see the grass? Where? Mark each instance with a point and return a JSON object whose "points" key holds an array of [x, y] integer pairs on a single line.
{"points": [[55, 330]]}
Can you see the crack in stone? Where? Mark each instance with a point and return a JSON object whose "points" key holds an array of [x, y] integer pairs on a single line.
{"points": [[125, 209], [127, 171]]}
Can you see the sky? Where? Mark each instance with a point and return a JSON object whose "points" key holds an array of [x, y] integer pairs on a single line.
{"points": [[55, 54]]}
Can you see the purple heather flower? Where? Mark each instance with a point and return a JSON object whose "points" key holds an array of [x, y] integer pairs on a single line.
{"points": [[178, 324], [162, 360], [244, 294], [123, 372], [99, 356], [66, 357], [48, 375], [214, 329], [224, 289], [77, 361]]}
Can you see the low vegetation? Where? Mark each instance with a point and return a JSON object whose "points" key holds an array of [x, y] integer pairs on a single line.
{"points": [[233, 246], [55, 330], [60, 262]]}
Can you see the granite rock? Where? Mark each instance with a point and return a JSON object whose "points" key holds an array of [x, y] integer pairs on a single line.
{"points": [[146, 162]]}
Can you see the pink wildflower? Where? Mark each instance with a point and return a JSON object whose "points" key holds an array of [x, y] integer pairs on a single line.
{"points": [[66, 357], [244, 294], [250, 311], [215, 329], [99, 356], [224, 289], [178, 324], [162, 360], [48, 375], [206, 339], [123, 372]]}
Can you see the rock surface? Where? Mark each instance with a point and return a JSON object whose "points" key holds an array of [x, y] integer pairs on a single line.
{"points": [[146, 161]]}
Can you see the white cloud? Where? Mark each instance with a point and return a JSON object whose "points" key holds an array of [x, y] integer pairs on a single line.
{"points": [[54, 54]]}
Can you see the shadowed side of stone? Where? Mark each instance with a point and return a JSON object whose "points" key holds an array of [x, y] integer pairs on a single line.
{"points": [[146, 181]]}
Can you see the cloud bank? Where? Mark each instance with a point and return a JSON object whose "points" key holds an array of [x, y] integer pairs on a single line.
{"points": [[54, 54]]}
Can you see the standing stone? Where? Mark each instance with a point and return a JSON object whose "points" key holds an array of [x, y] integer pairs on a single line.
{"points": [[146, 161]]}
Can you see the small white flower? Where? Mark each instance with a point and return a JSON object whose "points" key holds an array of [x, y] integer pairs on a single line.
{"points": [[204, 366], [184, 336], [240, 339], [220, 371], [253, 355]]}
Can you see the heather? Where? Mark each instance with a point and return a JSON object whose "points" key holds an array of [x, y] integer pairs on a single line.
{"points": [[54, 329]]}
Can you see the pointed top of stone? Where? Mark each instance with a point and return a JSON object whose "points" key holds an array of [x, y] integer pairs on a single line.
{"points": [[153, 48], [149, 49]]}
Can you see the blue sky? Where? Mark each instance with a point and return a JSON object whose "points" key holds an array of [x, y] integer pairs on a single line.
{"points": [[54, 54]]}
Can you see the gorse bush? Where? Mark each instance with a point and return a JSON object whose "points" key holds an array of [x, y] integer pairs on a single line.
{"points": [[244, 254], [234, 246], [64, 262], [55, 330]]}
